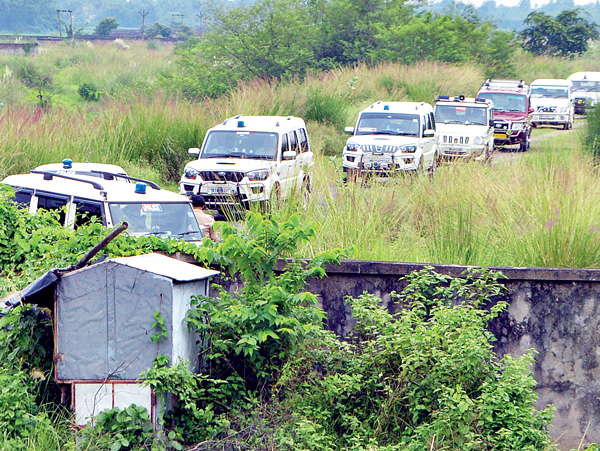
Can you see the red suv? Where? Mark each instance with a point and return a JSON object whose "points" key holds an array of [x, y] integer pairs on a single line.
{"points": [[511, 111]]}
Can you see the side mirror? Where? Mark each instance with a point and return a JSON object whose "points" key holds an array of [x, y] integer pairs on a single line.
{"points": [[529, 110], [429, 133], [349, 130], [194, 151], [288, 155], [491, 123]]}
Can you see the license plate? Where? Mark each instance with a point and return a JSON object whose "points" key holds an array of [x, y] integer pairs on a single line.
{"points": [[500, 135], [223, 190]]}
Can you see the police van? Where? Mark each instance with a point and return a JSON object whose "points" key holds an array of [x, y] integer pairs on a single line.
{"points": [[248, 161], [109, 197]]}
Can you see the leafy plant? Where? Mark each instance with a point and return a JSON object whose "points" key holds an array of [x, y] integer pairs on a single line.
{"points": [[88, 91]]}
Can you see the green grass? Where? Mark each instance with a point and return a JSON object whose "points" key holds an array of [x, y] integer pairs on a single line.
{"points": [[539, 209]]}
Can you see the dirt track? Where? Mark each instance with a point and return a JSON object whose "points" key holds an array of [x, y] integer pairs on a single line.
{"points": [[510, 154]]}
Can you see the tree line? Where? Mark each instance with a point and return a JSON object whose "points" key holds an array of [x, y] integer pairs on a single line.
{"points": [[277, 39]]}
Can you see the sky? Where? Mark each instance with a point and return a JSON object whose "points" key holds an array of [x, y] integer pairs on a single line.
{"points": [[534, 3]]}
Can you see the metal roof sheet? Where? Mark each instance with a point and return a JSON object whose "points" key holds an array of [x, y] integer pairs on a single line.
{"points": [[167, 266]]}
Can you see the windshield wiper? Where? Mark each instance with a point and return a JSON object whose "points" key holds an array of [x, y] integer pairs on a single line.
{"points": [[453, 122], [157, 232], [188, 233]]}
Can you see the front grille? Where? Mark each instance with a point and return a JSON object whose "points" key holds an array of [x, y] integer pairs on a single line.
{"points": [[449, 139], [222, 176], [377, 148], [547, 109]]}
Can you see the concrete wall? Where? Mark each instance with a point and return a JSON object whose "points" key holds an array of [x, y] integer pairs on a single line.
{"points": [[554, 311], [26, 48]]}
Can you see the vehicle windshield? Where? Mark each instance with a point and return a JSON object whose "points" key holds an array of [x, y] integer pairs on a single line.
{"points": [[174, 220], [388, 124], [460, 114], [505, 102], [550, 92], [240, 144], [586, 85]]}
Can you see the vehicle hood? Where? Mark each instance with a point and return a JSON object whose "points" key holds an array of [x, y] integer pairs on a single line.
{"points": [[383, 140], [541, 104], [509, 116], [594, 95], [229, 164], [461, 129]]}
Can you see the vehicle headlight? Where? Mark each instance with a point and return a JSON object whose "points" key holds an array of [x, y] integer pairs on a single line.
{"points": [[190, 173], [517, 125], [260, 174], [408, 149], [563, 109], [353, 147], [478, 140]]}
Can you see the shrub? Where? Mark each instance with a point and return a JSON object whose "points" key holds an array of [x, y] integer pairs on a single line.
{"points": [[89, 92]]}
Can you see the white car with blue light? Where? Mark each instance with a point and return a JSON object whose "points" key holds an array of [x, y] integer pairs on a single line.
{"points": [[391, 138], [464, 127], [109, 197], [249, 162]]}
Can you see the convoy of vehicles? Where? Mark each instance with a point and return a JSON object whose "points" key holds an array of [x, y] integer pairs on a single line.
{"points": [[586, 90], [250, 161], [464, 127], [391, 137], [108, 197], [552, 103], [511, 111]]}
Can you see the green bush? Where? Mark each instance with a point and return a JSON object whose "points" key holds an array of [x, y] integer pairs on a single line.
{"points": [[89, 92]]}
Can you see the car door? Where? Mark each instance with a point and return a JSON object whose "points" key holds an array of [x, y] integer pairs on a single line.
{"points": [[289, 165], [429, 146]]}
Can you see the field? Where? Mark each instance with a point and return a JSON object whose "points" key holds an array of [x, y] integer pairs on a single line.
{"points": [[539, 210]]}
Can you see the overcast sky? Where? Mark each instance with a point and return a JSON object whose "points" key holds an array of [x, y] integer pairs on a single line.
{"points": [[534, 3]]}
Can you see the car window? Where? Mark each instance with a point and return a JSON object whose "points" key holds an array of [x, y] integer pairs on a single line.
{"points": [[53, 202], [285, 145], [86, 210], [293, 141], [303, 140], [22, 197]]}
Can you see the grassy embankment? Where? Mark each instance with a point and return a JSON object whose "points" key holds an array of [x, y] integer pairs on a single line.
{"points": [[540, 210]]}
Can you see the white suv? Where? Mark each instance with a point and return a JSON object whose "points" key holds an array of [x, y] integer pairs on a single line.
{"points": [[107, 196], [586, 90], [464, 127], [552, 102], [249, 161], [391, 137]]}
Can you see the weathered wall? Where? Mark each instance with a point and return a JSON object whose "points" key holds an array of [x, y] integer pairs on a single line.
{"points": [[21, 49], [554, 311]]}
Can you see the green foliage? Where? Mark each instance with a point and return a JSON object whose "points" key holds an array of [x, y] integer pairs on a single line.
{"points": [[161, 329], [566, 35], [592, 132], [89, 92], [327, 108], [105, 26], [157, 30], [124, 430], [424, 377]]}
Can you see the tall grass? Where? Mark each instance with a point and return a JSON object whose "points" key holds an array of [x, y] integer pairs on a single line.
{"points": [[539, 210]]}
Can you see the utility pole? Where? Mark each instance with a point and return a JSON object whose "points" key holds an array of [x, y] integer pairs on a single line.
{"points": [[174, 25], [58, 11], [143, 13]]}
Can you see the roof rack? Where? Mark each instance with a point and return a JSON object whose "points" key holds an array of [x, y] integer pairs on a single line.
{"points": [[49, 175], [127, 177]]}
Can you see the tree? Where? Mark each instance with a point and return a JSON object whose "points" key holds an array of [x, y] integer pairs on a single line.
{"points": [[157, 30], [105, 26], [567, 34]]}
